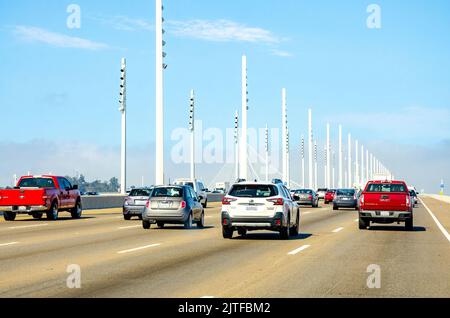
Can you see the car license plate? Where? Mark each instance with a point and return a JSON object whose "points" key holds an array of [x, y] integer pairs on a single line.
{"points": [[140, 202], [385, 214], [346, 199], [252, 208], [164, 205]]}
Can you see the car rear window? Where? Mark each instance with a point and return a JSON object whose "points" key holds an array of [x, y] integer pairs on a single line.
{"points": [[167, 193], [346, 192], [253, 191], [37, 183], [140, 193], [386, 188], [303, 192], [322, 190]]}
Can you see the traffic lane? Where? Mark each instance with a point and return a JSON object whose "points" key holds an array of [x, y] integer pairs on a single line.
{"points": [[440, 209], [226, 262], [412, 264], [88, 253]]}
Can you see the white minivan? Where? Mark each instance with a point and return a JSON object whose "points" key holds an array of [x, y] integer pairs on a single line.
{"points": [[198, 187]]}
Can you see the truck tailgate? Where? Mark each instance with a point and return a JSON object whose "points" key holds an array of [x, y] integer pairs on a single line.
{"points": [[22, 197], [385, 202]]}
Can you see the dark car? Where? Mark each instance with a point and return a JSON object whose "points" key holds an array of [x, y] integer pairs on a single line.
{"points": [[345, 198], [306, 197], [134, 204], [173, 205]]}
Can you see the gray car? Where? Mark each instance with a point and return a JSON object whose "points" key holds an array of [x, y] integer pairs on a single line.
{"points": [[306, 197], [345, 198], [173, 205], [134, 203]]}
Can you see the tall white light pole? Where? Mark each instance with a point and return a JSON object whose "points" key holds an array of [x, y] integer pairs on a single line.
{"points": [[284, 134], [288, 160], [236, 143], [367, 165], [14, 180], [340, 183], [267, 152], [316, 185], [192, 132], [160, 66], [243, 161], [363, 178], [303, 161], [371, 167], [123, 110], [357, 180], [350, 163], [310, 149], [325, 168], [328, 158], [333, 175]]}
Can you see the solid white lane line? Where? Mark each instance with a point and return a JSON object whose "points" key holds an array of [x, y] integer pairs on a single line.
{"points": [[207, 297], [298, 250], [338, 230], [138, 248], [129, 227], [443, 230], [26, 226], [8, 244]]}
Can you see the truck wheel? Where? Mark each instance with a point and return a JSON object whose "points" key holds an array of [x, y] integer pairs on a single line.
{"points": [[9, 216], [409, 224], [363, 224], [227, 232], [76, 211], [146, 225], [37, 216], [53, 213], [201, 223]]}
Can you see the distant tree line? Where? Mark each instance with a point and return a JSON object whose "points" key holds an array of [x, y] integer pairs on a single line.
{"points": [[110, 186]]}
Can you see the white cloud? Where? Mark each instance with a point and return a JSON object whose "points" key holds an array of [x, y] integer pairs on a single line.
{"points": [[124, 23], [35, 34], [222, 31], [281, 53]]}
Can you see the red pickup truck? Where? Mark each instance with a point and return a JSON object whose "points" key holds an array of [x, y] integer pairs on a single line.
{"points": [[36, 195], [385, 202]]}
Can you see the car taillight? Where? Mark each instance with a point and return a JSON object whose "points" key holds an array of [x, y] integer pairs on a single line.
{"points": [[148, 204], [310, 197], [277, 201], [183, 204], [227, 201], [362, 199], [407, 200]]}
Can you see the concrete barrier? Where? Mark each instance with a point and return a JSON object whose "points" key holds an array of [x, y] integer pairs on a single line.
{"points": [[102, 202]]}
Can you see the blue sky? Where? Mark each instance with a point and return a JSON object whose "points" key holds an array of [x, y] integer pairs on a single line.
{"points": [[384, 86]]}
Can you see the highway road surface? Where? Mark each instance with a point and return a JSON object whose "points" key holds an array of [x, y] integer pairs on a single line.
{"points": [[330, 258]]}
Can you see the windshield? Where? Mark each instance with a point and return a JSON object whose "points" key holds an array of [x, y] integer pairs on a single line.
{"points": [[167, 193], [140, 193], [346, 192], [303, 192], [37, 183], [254, 191], [386, 188]]}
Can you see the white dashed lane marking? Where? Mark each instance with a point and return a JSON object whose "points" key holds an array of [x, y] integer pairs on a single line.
{"points": [[298, 250]]}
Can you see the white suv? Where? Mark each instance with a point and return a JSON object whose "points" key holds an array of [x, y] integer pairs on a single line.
{"points": [[260, 206], [198, 187]]}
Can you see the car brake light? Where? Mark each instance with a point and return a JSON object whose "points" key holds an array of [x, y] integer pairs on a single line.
{"points": [[148, 204], [277, 201], [44, 197], [183, 204], [362, 199], [407, 200], [310, 197], [227, 201]]}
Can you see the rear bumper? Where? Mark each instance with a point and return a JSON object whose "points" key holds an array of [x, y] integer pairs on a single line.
{"points": [[24, 210], [385, 216], [170, 217], [305, 202], [133, 210], [346, 204], [274, 223]]}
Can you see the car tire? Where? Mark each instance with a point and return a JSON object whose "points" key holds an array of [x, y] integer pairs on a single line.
{"points": [[9, 216], [363, 224], [227, 232], [242, 232], [160, 225], [127, 217], [188, 223], [201, 223], [295, 230], [285, 232], [409, 224], [146, 225], [140, 217], [53, 213], [77, 211], [335, 207], [37, 215]]}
